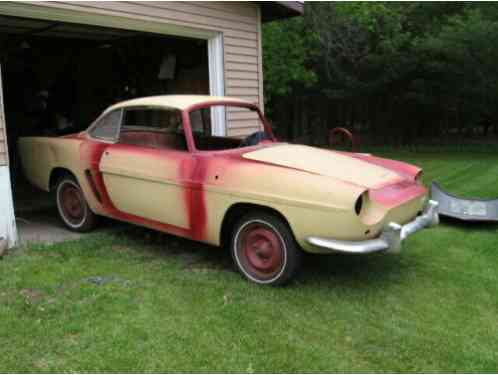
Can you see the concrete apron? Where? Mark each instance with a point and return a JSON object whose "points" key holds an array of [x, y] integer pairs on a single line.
{"points": [[43, 226]]}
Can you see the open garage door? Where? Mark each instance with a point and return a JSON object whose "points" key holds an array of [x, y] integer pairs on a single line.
{"points": [[58, 76], [134, 22]]}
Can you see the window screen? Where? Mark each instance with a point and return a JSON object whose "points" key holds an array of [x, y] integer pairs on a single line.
{"points": [[108, 126]]}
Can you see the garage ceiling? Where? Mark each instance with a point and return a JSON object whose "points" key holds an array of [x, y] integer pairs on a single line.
{"points": [[36, 27]]}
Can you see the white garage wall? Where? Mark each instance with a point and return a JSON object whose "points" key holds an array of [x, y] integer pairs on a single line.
{"points": [[7, 220]]}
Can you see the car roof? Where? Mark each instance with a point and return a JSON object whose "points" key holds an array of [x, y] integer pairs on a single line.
{"points": [[180, 102]]}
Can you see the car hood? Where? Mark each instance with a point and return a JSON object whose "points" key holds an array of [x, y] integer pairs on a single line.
{"points": [[358, 169]]}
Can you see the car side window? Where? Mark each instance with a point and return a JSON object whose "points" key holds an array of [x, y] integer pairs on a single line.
{"points": [[108, 126], [153, 127]]}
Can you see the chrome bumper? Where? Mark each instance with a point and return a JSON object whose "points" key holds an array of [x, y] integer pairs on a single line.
{"points": [[390, 239]]}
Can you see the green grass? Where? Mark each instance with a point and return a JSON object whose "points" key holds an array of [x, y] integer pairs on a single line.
{"points": [[171, 305]]}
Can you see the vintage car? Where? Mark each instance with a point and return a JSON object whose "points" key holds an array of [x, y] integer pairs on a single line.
{"points": [[154, 162]]}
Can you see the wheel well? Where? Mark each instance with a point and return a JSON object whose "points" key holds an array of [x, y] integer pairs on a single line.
{"points": [[239, 209], [56, 174]]}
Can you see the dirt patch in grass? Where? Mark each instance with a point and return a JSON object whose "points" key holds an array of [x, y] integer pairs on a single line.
{"points": [[121, 249], [33, 296], [203, 266]]}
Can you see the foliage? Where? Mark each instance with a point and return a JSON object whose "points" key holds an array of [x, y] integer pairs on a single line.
{"points": [[463, 55], [397, 70], [357, 40], [287, 51]]}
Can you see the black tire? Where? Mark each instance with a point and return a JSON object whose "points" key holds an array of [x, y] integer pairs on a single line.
{"points": [[72, 206], [264, 250]]}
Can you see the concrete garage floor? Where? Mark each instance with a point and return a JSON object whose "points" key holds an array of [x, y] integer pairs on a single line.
{"points": [[38, 220], [43, 226]]}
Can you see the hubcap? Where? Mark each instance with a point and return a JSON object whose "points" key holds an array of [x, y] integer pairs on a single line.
{"points": [[260, 250], [72, 204]]}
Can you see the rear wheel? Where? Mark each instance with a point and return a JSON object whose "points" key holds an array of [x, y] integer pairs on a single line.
{"points": [[264, 249], [72, 205]]}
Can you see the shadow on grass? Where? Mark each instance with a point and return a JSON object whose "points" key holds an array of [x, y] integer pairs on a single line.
{"points": [[374, 269], [316, 269], [194, 255], [472, 225]]}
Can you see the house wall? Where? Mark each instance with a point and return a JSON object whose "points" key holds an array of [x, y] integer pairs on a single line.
{"points": [[3, 147], [239, 23], [7, 218], [4, 157]]}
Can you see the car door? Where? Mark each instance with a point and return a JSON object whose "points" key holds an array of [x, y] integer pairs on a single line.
{"points": [[148, 183]]}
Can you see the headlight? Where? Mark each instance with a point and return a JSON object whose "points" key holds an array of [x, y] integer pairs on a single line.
{"points": [[418, 177]]}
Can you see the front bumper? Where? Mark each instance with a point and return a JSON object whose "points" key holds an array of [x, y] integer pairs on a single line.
{"points": [[389, 240]]}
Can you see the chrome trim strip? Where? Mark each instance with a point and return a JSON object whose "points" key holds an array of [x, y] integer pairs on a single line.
{"points": [[389, 240]]}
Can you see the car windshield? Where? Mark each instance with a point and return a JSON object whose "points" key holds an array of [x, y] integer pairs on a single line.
{"points": [[243, 127]]}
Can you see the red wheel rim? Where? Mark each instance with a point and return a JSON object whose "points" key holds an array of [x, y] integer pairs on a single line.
{"points": [[260, 250], [72, 204]]}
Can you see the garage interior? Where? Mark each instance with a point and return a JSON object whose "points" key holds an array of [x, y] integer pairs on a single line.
{"points": [[58, 77]]}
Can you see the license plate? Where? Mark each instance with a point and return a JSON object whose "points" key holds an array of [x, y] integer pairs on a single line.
{"points": [[465, 207]]}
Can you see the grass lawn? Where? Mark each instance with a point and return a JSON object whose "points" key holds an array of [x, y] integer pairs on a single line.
{"points": [[144, 302]]}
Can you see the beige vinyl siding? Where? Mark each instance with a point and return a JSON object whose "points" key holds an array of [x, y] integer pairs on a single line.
{"points": [[239, 22]]}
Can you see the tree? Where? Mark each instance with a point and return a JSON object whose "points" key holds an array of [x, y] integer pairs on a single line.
{"points": [[397, 72], [288, 51]]}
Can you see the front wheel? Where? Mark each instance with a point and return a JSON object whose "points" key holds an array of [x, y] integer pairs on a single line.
{"points": [[264, 249], [72, 206]]}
